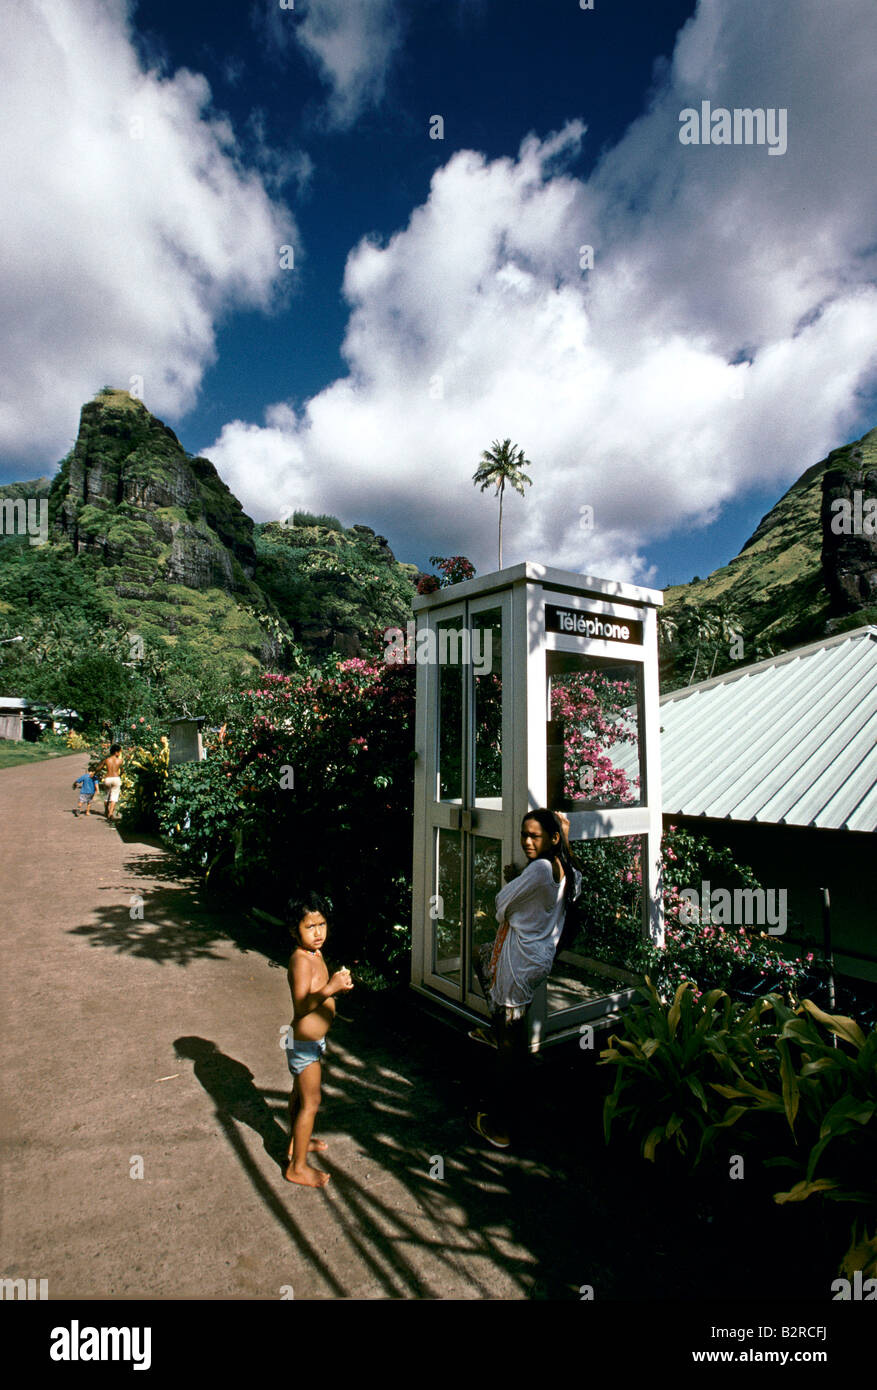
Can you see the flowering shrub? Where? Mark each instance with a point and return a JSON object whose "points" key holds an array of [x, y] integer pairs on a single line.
{"points": [[453, 570], [595, 713], [708, 956], [310, 784], [144, 774], [711, 956]]}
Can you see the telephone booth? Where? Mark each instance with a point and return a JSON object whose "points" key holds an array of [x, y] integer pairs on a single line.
{"points": [[536, 687]]}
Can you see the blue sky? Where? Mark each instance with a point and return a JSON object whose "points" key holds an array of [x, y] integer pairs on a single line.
{"points": [[159, 155]]}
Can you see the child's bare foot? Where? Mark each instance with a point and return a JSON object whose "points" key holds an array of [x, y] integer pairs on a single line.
{"points": [[316, 1146], [307, 1177]]}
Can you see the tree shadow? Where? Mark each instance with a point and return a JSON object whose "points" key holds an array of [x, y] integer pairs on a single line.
{"points": [[238, 1102], [172, 919], [480, 1220], [559, 1214]]}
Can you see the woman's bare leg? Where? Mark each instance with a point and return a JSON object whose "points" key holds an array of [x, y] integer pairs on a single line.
{"points": [[511, 1059]]}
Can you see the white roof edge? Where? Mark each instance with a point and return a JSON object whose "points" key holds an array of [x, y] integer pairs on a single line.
{"points": [[728, 676], [567, 580]]}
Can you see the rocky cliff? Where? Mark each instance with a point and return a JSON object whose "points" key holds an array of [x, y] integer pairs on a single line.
{"points": [[849, 533], [170, 554], [337, 587], [794, 580], [129, 493]]}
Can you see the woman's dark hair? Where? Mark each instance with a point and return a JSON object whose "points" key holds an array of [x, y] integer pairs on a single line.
{"points": [[299, 907], [552, 826]]}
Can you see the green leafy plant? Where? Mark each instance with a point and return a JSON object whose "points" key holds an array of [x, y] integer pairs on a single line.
{"points": [[828, 1094], [144, 775], [309, 783], [664, 1061], [797, 1086]]}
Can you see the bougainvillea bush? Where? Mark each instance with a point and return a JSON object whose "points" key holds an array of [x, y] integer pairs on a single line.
{"points": [[742, 960], [596, 714], [309, 784], [454, 569]]}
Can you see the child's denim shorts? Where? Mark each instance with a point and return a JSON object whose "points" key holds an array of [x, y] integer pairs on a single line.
{"points": [[300, 1052]]}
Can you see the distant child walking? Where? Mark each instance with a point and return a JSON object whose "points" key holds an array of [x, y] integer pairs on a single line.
{"points": [[87, 785], [313, 993], [112, 777]]}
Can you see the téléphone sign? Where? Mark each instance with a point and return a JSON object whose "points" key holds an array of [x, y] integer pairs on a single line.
{"points": [[573, 622]]}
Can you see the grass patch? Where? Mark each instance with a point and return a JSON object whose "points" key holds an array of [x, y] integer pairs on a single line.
{"points": [[13, 753]]}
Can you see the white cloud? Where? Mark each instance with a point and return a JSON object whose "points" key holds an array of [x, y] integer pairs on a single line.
{"points": [[715, 266], [351, 43], [128, 224]]}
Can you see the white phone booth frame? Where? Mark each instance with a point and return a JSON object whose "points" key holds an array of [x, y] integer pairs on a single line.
{"points": [[481, 833]]}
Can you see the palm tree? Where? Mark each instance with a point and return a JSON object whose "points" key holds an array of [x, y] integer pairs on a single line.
{"points": [[501, 464], [705, 628]]}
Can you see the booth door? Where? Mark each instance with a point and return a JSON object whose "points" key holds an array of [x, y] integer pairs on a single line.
{"points": [[466, 822], [596, 772]]}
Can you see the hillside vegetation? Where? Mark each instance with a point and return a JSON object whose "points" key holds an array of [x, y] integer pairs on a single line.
{"points": [[778, 593], [157, 592]]}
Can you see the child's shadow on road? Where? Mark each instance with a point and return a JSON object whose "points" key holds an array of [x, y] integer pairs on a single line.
{"points": [[230, 1086], [238, 1101]]}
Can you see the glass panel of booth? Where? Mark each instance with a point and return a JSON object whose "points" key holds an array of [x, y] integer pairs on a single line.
{"points": [[449, 677], [594, 720], [486, 883], [486, 629], [459, 855], [601, 951], [446, 907]]}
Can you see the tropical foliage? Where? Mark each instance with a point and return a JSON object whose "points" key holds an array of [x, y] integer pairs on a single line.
{"points": [[309, 784], [792, 1086], [453, 570]]}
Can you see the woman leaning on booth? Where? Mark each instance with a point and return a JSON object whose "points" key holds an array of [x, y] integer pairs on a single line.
{"points": [[532, 909]]}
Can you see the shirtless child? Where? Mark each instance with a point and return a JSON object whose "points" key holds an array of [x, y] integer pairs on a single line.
{"points": [[112, 777], [313, 1003]]}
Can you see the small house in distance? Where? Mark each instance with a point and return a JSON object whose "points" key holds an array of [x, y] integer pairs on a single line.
{"points": [[778, 762], [185, 741], [12, 713]]}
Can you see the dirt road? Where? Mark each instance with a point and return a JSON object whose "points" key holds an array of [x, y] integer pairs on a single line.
{"points": [[149, 1044]]}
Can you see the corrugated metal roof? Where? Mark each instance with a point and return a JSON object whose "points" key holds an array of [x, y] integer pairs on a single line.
{"points": [[788, 741]]}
